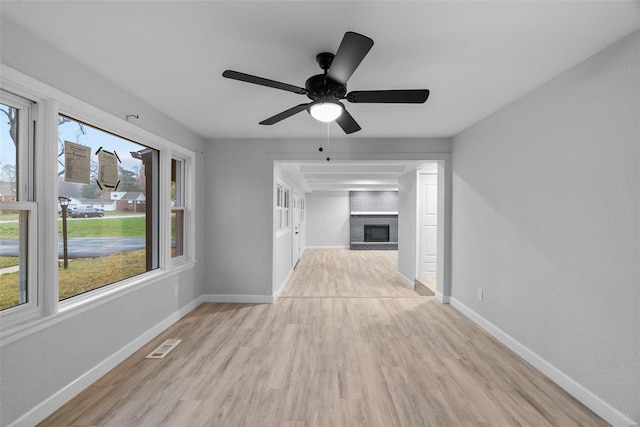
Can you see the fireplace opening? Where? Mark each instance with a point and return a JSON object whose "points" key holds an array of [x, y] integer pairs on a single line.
{"points": [[376, 233]]}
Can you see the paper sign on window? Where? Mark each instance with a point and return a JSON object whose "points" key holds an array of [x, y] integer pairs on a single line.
{"points": [[107, 169], [77, 160]]}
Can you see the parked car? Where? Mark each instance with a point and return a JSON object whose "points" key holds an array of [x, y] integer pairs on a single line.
{"points": [[86, 212]]}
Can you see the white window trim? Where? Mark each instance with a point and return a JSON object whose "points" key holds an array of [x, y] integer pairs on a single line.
{"points": [[51, 102], [13, 316], [280, 210], [187, 208]]}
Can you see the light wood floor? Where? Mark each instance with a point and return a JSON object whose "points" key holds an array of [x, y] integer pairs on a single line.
{"points": [[339, 351]]}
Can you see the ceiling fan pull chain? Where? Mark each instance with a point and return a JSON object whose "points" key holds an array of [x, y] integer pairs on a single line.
{"points": [[328, 158]]}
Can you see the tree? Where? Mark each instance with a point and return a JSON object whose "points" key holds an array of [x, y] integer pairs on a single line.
{"points": [[12, 115], [128, 180], [9, 173], [88, 191], [81, 131]]}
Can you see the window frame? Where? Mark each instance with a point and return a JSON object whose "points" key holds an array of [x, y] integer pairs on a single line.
{"points": [[155, 246], [183, 204], [48, 102], [24, 202], [281, 218]]}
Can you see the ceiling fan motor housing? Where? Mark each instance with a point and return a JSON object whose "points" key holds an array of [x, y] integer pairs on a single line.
{"points": [[320, 86]]}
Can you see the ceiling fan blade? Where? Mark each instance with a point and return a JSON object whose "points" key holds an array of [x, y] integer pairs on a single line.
{"points": [[352, 50], [281, 116], [236, 75], [417, 96], [347, 123]]}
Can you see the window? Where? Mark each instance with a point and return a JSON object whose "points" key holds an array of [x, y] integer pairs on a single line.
{"points": [[301, 210], [177, 208], [110, 227], [17, 210], [281, 214], [115, 235]]}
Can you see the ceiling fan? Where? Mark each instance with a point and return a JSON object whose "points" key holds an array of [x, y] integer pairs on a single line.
{"points": [[327, 89]]}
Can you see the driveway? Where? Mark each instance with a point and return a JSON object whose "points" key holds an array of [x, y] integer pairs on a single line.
{"points": [[84, 247]]}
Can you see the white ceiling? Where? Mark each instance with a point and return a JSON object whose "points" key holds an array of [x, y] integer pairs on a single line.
{"points": [[352, 176], [474, 56]]}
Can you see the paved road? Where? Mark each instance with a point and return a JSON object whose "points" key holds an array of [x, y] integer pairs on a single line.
{"points": [[84, 247], [9, 221]]}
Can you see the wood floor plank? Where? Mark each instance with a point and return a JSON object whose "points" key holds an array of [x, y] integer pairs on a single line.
{"points": [[348, 344]]}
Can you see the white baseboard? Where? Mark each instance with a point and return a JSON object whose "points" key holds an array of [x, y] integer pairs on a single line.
{"points": [[443, 299], [54, 402], [329, 247], [590, 400], [240, 299], [408, 283], [278, 291]]}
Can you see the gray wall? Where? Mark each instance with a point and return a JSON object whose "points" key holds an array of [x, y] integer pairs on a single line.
{"points": [[546, 219], [407, 225], [238, 182], [328, 219], [38, 365]]}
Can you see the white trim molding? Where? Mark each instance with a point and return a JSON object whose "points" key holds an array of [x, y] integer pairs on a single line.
{"points": [[54, 402], [283, 285], [442, 298], [408, 283], [329, 247], [238, 299], [586, 397]]}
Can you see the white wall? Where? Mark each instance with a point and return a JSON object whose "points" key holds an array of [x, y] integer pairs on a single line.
{"points": [[239, 186], [407, 226], [546, 219], [328, 219], [283, 241], [69, 351]]}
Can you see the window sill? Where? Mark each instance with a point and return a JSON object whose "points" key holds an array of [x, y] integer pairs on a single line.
{"points": [[82, 303]]}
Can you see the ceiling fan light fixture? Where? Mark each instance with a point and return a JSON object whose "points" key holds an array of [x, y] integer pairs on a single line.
{"points": [[325, 110]]}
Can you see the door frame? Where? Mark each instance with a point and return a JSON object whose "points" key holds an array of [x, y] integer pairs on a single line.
{"points": [[296, 228], [445, 185], [421, 235]]}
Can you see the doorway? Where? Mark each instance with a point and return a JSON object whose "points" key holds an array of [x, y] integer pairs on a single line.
{"points": [[428, 226], [296, 236], [313, 176]]}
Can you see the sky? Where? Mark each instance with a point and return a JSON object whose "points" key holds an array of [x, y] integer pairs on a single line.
{"points": [[96, 138], [69, 131]]}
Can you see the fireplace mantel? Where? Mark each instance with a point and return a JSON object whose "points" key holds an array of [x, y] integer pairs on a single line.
{"points": [[372, 213]]}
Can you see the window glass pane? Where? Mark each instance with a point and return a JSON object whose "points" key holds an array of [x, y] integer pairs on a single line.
{"points": [[8, 153], [13, 258], [177, 233], [177, 201], [111, 233]]}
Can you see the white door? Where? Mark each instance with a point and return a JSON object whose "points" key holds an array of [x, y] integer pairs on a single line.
{"points": [[428, 225], [295, 223]]}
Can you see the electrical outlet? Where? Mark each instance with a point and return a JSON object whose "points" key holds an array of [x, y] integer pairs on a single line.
{"points": [[480, 294], [175, 291]]}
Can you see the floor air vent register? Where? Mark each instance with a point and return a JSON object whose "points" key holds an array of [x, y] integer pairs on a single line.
{"points": [[163, 349]]}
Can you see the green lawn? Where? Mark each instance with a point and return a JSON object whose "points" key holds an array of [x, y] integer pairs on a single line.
{"points": [[8, 261], [83, 275], [91, 227]]}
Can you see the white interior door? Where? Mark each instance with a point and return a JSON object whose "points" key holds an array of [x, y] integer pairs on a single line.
{"points": [[428, 225], [295, 223]]}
